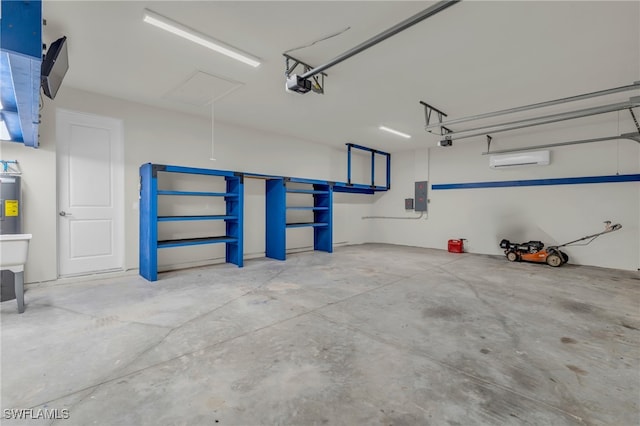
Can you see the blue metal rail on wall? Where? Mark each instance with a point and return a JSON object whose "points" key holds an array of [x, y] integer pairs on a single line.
{"points": [[538, 182], [149, 219]]}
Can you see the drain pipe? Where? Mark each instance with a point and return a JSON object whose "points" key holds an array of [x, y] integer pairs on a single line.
{"points": [[438, 7], [394, 217]]}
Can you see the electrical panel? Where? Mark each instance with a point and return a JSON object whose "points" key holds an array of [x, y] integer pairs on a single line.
{"points": [[421, 196], [408, 203]]}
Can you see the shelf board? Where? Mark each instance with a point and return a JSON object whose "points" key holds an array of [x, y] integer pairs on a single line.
{"points": [[197, 193], [306, 208], [307, 191], [357, 188], [308, 181], [183, 218], [307, 224], [196, 241]]}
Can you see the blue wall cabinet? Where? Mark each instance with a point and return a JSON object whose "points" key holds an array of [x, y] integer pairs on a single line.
{"points": [[20, 63]]}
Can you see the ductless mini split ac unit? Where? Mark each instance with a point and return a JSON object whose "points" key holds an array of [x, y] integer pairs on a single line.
{"points": [[534, 158]]}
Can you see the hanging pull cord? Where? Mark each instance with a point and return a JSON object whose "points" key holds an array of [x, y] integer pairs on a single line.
{"points": [[323, 38], [213, 128]]}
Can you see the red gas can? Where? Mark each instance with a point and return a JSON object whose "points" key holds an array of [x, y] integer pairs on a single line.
{"points": [[456, 246]]}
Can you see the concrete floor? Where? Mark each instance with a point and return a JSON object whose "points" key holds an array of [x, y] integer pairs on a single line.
{"points": [[371, 334]]}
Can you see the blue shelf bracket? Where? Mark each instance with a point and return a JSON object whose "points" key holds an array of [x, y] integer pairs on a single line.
{"points": [[148, 222], [348, 164], [373, 152], [276, 219]]}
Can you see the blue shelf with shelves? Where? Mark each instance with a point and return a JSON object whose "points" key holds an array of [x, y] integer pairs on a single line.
{"points": [[278, 190], [149, 218], [276, 214]]}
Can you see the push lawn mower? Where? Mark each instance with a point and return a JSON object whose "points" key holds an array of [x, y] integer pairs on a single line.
{"points": [[534, 251]]}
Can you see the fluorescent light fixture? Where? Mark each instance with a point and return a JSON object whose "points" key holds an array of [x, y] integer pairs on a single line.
{"points": [[185, 32], [395, 132]]}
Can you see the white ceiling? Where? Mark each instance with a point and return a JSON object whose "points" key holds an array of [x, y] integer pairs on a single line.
{"points": [[474, 57]]}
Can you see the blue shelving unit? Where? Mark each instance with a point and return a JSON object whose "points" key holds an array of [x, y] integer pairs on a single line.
{"points": [[277, 188], [149, 218], [276, 214]]}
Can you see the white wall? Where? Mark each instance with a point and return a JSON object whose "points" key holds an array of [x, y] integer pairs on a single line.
{"points": [[553, 214], [484, 216], [38, 203], [167, 137]]}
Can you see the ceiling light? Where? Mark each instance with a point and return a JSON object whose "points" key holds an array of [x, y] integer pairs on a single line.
{"points": [[395, 132], [197, 37]]}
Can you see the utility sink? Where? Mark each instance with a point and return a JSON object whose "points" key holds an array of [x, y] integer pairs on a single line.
{"points": [[14, 249]]}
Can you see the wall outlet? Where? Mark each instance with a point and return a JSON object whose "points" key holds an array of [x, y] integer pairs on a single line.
{"points": [[408, 203]]}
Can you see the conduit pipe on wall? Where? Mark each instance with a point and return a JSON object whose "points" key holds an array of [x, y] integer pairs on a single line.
{"points": [[393, 217]]}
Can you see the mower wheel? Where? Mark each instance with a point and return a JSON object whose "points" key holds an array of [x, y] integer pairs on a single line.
{"points": [[565, 257], [512, 256], [554, 260]]}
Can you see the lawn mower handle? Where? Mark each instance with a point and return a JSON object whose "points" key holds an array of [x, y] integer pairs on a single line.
{"points": [[610, 228]]}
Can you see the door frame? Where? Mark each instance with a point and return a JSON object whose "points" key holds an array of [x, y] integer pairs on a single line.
{"points": [[118, 181]]}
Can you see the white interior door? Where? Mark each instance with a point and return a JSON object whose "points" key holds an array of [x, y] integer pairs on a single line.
{"points": [[90, 160]]}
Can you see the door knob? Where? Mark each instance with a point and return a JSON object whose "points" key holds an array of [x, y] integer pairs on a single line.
{"points": [[63, 213]]}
